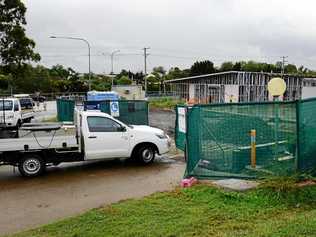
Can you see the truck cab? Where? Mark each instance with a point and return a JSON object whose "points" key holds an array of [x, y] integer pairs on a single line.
{"points": [[13, 113], [27, 109], [10, 113]]}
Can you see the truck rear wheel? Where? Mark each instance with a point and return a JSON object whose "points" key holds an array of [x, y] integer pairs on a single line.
{"points": [[145, 154], [32, 165]]}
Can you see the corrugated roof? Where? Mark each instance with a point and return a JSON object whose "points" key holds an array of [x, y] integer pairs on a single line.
{"points": [[228, 72]]}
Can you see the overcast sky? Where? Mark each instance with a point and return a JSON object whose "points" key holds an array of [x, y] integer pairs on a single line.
{"points": [[178, 32]]}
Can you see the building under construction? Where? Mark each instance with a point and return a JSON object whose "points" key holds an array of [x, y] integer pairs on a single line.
{"points": [[235, 86]]}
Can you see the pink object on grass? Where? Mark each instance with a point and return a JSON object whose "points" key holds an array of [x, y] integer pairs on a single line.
{"points": [[188, 182]]}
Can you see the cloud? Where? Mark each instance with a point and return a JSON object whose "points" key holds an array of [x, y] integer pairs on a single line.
{"points": [[177, 31]]}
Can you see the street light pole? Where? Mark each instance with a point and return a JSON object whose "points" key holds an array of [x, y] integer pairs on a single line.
{"points": [[89, 52], [112, 73], [112, 57], [145, 66]]}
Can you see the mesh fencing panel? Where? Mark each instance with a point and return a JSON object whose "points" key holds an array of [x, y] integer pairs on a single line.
{"points": [[219, 142], [65, 110], [130, 112], [307, 135], [180, 136]]}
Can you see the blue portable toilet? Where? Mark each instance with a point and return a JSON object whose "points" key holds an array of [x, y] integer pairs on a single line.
{"points": [[95, 97], [102, 95]]}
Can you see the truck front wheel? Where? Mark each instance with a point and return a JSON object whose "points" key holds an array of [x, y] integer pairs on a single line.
{"points": [[31, 165], [145, 154]]}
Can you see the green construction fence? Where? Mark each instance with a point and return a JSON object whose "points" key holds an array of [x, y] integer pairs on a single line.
{"points": [[65, 110], [218, 142], [129, 111]]}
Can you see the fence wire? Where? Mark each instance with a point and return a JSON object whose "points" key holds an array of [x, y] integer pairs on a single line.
{"points": [[133, 112], [307, 135], [218, 141], [130, 111]]}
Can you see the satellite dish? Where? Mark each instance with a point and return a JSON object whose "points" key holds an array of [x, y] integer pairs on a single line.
{"points": [[276, 86]]}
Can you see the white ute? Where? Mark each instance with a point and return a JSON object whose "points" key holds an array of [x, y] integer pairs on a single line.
{"points": [[98, 136]]}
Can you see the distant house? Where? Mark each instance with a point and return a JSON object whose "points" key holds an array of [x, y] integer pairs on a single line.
{"points": [[130, 92], [235, 86]]}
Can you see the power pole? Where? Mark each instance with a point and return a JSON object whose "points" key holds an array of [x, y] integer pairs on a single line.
{"points": [[283, 64], [145, 65]]}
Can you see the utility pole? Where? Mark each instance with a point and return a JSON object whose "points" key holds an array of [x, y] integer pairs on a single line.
{"points": [[283, 64], [145, 65]]}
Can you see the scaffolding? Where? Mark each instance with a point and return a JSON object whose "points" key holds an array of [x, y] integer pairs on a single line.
{"points": [[235, 86]]}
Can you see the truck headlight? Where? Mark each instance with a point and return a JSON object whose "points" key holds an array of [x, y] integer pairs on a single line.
{"points": [[162, 135], [10, 117]]}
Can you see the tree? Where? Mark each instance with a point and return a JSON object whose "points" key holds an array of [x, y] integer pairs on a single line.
{"points": [[237, 66], [278, 66], [290, 68], [251, 66], [59, 71], [176, 72], [226, 66], [203, 67], [139, 77], [15, 47], [153, 83], [122, 73], [124, 80], [267, 67], [4, 82], [160, 74]]}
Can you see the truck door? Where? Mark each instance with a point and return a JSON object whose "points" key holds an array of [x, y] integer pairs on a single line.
{"points": [[105, 139]]}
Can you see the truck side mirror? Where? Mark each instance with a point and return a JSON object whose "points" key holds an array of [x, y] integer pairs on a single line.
{"points": [[16, 108], [122, 129]]}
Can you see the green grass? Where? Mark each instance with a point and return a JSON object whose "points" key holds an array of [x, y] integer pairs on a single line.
{"points": [[277, 208], [165, 103]]}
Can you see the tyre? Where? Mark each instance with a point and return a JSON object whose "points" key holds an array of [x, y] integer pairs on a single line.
{"points": [[18, 124], [56, 163], [32, 165], [28, 120], [145, 154]]}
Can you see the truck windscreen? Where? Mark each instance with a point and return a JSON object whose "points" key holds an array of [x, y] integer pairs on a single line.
{"points": [[26, 103], [6, 104]]}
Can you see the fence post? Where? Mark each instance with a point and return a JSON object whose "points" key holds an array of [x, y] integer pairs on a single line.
{"points": [[186, 146], [298, 147], [253, 148]]}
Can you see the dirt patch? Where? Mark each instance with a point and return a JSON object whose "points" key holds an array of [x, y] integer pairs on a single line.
{"points": [[306, 183]]}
